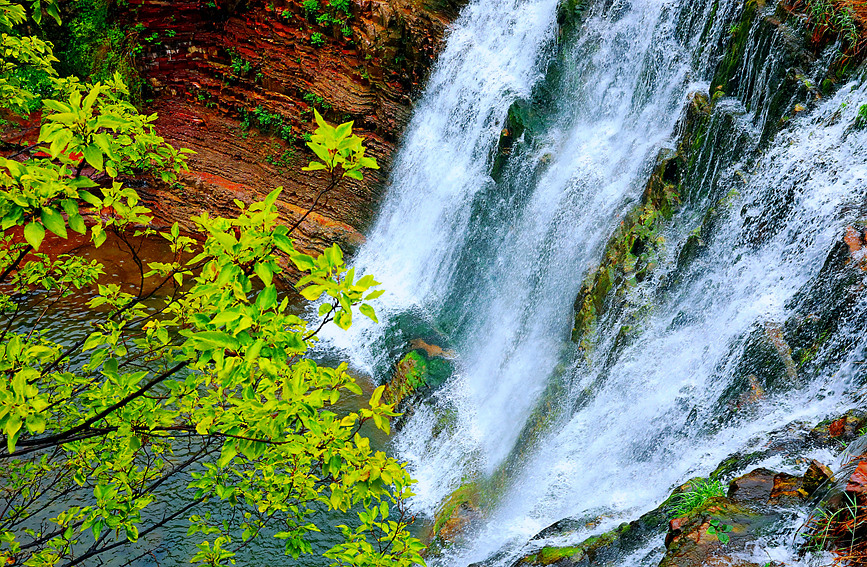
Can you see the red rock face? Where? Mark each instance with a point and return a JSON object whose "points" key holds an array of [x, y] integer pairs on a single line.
{"points": [[210, 64], [858, 481]]}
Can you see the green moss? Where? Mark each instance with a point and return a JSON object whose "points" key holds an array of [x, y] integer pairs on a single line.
{"points": [[629, 256], [727, 70], [549, 555], [410, 374], [468, 494], [633, 251], [590, 548]]}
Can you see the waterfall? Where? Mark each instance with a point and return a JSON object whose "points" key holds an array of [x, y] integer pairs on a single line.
{"points": [[495, 262]]}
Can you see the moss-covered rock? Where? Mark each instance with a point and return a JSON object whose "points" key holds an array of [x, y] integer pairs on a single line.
{"points": [[456, 512], [632, 252], [420, 370], [756, 504]]}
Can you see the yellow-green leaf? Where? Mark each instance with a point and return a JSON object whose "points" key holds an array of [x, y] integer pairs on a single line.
{"points": [[34, 233]]}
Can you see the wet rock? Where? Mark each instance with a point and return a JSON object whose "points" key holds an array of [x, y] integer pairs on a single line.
{"points": [[409, 376], [633, 251], [460, 510], [417, 374], [839, 431], [817, 475], [857, 484], [788, 490], [753, 487]]}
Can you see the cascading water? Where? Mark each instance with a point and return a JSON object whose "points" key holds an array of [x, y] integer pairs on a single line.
{"points": [[495, 266]]}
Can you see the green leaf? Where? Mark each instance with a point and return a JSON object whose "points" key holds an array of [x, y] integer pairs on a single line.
{"points": [[334, 255], [314, 166], [322, 123], [229, 451], [224, 317], [376, 396], [207, 340], [34, 233], [35, 423], [53, 12], [368, 311], [90, 198], [264, 273], [99, 236], [56, 105], [93, 155], [59, 141], [93, 341], [322, 153], [267, 298], [303, 262], [343, 319], [284, 243], [76, 223], [13, 424], [313, 292], [374, 294], [53, 221], [343, 130]]}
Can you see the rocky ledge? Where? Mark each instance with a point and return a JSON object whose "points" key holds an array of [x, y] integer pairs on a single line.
{"points": [[808, 511]]}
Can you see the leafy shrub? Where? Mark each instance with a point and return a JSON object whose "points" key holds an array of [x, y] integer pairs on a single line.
{"points": [[317, 39]]}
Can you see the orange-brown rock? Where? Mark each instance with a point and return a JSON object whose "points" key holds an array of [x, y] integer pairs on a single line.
{"points": [[817, 474], [211, 65], [787, 489], [858, 481]]}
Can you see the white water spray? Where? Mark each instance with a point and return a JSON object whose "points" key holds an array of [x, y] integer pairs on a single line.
{"points": [[498, 265]]}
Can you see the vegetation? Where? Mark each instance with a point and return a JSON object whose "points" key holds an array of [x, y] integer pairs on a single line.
{"points": [[840, 527], [839, 18], [193, 391], [700, 491], [267, 122], [720, 530], [91, 44], [331, 13]]}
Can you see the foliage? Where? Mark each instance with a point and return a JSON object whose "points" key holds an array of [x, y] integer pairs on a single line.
{"points": [[92, 45], [316, 100], [335, 12], [267, 122], [699, 492], [838, 17], [861, 117], [337, 146], [240, 66], [198, 375], [310, 7], [839, 525], [720, 530], [25, 61], [340, 6]]}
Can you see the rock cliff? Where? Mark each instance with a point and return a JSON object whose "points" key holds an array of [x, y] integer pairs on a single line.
{"points": [[238, 81]]}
